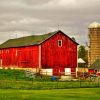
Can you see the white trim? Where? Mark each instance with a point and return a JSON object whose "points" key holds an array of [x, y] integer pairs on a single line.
{"points": [[1, 62], [58, 43], [39, 56], [16, 52]]}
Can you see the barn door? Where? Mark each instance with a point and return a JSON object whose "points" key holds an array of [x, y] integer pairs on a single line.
{"points": [[73, 71], [55, 71], [58, 71]]}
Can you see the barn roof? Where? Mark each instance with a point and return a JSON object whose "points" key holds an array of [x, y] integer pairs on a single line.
{"points": [[28, 40], [95, 65]]}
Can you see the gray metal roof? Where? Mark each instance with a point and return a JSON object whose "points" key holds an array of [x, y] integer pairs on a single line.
{"points": [[95, 65]]}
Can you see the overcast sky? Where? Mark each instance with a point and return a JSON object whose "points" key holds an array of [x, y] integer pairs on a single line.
{"points": [[26, 17]]}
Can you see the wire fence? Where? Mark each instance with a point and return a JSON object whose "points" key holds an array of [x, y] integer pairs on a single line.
{"points": [[30, 80]]}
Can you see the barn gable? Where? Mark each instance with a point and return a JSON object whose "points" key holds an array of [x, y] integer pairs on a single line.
{"points": [[51, 51], [29, 40]]}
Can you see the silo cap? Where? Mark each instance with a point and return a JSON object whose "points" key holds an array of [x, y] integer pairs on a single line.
{"points": [[94, 25]]}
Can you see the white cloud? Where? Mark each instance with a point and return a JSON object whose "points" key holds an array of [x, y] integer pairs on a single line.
{"points": [[66, 2], [56, 4], [26, 21], [41, 16], [30, 20], [68, 5]]}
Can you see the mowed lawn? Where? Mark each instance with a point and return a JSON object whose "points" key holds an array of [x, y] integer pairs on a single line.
{"points": [[60, 94]]}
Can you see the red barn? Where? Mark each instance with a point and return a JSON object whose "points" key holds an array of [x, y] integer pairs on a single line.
{"points": [[53, 53]]}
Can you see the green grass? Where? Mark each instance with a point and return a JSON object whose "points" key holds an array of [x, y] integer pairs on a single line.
{"points": [[15, 79], [60, 94], [15, 86], [9, 74], [19, 75], [35, 85]]}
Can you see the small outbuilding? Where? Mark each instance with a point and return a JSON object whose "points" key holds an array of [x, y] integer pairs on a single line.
{"points": [[82, 65]]}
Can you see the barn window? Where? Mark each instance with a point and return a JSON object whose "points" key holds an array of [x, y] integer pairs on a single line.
{"points": [[59, 43]]}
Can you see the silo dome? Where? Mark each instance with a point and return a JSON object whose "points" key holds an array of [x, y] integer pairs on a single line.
{"points": [[94, 25]]}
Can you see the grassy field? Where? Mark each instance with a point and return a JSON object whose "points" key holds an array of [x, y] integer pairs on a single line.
{"points": [[16, 79], [9, 74], [15, 86], [60, 94]]}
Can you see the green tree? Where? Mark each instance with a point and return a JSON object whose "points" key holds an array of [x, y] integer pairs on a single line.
{"points": [[81, 51]]}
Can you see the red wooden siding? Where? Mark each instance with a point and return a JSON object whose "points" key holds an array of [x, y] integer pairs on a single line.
{"points": [[54, 56], [22, 57]]}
